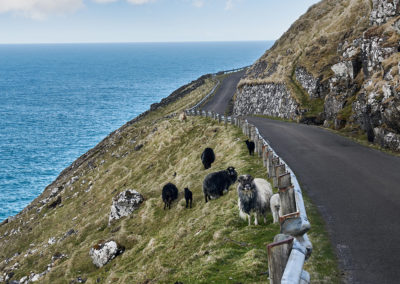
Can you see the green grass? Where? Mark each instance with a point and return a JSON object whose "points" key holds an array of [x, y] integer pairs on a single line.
{"points": [[205, 244]]}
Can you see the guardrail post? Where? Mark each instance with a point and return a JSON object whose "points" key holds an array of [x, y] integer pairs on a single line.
{"points": [[271, 166], [288, 202], [278, 256], [279, 170], [219, 118], [260, 146]]}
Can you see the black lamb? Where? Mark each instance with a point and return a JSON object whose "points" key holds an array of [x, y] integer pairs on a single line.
{"points": [[169, 194], [251, 146], [216, 183], [207, 157], [188, 197]]}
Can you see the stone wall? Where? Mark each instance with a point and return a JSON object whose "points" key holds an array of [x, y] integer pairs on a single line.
{"points": [[266, 99]]}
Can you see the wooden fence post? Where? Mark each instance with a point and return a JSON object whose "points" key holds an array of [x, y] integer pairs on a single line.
{"points": [[284, 181], [279, 170], [288, 203], [278, 256]]}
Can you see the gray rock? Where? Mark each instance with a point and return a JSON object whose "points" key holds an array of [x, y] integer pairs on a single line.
{"points": [[104, 252], [266, 99], [383, 10], [124, 204], [309, 83]]}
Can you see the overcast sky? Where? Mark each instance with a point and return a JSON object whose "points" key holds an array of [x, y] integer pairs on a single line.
{"points": [[71, 21]]}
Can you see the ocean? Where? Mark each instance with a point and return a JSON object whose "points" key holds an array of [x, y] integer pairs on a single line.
{"points": [[60, 100]]}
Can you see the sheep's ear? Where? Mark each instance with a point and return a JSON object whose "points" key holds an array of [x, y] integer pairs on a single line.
{"points": [[240, 179]]}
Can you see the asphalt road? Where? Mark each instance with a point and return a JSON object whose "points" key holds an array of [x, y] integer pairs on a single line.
{"points": [[224, 93], [356, 189]]}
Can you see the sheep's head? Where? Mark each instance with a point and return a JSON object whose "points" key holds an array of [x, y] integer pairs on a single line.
{"points": [[232, 173], [246, 182], [186, 189]]}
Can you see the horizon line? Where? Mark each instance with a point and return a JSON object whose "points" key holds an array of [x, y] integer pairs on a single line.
{"points": [[129, 42]]}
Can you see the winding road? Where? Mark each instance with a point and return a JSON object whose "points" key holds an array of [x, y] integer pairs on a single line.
{"points": [[356, 189]]}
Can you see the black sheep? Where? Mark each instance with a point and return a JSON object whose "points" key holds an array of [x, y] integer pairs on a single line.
{"points": [[216, 183], [169, 194], [251, 146], [207, 157], [188, 197]]}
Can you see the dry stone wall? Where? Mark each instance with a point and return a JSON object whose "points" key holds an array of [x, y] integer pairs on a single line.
{"points": [[266, 99]]}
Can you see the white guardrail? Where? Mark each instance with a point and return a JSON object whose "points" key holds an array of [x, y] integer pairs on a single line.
{"points": [[292, 247]]}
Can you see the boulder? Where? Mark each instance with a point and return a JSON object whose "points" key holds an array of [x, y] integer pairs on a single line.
{"points": [[104, 252], [124, 204]]}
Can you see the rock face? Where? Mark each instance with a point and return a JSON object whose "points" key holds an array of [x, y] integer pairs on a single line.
{"points": [[267, 99], [383, 10], [308, 82], [124, 204], [348, 79], [104, 252]]}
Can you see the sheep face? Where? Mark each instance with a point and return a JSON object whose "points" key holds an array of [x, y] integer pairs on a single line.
{"points": [[246, 183], [232, 173]]}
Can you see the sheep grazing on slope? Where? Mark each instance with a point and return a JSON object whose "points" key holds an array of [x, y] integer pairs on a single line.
{"points": [[182, 116], [251, 146], [169, 194], [216, 183], [188, 197], [275, 204], [207, 157], [254, 197]]}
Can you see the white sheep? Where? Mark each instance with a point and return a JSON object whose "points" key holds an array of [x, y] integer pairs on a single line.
{"points": [[275, 204]]}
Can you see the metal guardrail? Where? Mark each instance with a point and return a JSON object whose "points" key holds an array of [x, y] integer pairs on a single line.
{"points": [[295, 224]]}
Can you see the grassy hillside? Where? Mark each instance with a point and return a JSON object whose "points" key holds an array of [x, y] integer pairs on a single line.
{"points": [[205, 244]]}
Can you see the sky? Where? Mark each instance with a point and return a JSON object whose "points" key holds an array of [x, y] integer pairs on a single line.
{"points": [[82, 21]]}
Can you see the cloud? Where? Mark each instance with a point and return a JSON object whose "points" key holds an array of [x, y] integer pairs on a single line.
{"points": [[198, 3], [39, 9]]}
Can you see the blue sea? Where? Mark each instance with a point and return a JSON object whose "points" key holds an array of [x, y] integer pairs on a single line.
{"points": [[58, 101]]}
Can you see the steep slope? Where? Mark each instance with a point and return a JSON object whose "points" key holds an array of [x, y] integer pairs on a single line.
{"points": [[336, 66], [50, 240]]}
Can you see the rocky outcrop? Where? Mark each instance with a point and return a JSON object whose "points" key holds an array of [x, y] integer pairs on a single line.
{"points": [[104, 252], [308, 82], [383, 10], [266, 99], [124, 204]]}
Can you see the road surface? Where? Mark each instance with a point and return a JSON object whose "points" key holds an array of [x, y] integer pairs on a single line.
{"points": [[356, 189]]}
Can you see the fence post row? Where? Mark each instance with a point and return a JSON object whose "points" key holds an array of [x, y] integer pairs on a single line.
{"points": [[291, 248]]}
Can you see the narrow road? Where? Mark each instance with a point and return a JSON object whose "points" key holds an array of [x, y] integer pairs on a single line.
{"points": [[356, 189], [223, 95]]}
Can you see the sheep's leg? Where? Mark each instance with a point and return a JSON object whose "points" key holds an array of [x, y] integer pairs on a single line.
{"points": [[274, 215], [165, 204], [265, 219], [255, 219], [187, 203], [249, 216]]}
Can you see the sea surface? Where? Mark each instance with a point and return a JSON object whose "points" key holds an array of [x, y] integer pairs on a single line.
{"points": [[58, 101]]}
